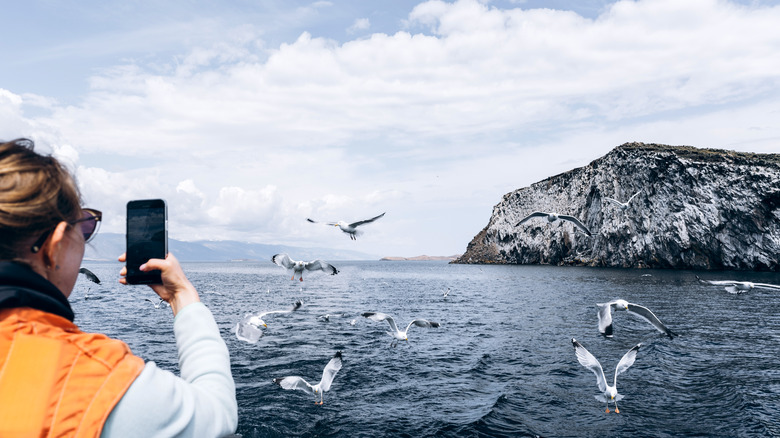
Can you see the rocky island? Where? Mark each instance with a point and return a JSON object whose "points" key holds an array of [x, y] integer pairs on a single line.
{"points": [[695, 209]]}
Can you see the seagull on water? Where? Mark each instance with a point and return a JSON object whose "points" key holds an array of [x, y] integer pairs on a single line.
{"points": [[296, 382], [248, 329], [609, 393], [738, 287], [350, 229], [397, 334], [285, 261], [552, 217], [446, 292], [623, 205], [605, 316]]}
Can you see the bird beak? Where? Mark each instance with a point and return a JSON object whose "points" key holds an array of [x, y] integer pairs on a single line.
{"points": [[265, 325]]}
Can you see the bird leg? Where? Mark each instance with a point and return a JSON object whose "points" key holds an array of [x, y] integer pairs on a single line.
{"points": [[293, 277], [617, 411], [301, 277]]}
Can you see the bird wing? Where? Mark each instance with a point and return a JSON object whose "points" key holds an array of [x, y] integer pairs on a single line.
{"points": [[330, 371], [283, 260], [576, 222], [355, 224], [650, 317], [532, 215], [605, 318], [330, 224], [295, 307], [378, 316], [633, 196], [626, 361], [294, 382], [321, 265], [590, 362], [422, 323], [614, 201], [91, 276], [766, 286], [717, 283]]}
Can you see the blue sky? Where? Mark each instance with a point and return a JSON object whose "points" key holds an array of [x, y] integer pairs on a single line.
{"points": [[250, 116]]}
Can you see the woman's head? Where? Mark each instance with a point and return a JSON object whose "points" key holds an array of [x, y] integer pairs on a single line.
{"points": [[36, 194]]}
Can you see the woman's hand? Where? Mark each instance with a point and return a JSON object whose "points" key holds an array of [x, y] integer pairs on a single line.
{"points": [[175, 289]]}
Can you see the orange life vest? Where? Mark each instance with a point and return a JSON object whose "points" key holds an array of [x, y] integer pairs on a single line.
{"points": [[56, 380]]}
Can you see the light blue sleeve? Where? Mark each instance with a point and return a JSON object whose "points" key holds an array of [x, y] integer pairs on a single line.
{"points": [[200, 403]]}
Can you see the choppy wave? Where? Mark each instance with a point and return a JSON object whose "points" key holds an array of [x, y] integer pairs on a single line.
{"points": [[500, 365]]}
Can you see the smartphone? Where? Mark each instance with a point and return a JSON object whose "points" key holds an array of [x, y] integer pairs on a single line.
{"points": [[147, 238]]}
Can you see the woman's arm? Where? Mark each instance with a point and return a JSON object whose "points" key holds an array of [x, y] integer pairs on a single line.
{"points": [[200, 403]]}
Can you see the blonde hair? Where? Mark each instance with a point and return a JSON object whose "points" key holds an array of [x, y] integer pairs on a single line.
{"points": [[36, 193]]}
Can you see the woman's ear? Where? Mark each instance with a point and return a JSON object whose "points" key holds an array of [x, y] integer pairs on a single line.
{"points": [[55, 247]]}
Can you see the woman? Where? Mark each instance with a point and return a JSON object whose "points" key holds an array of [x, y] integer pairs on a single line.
{"points": [[58, 381]]}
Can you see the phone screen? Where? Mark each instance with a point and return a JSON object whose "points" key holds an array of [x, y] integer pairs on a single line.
{"points": [[147, 238]]}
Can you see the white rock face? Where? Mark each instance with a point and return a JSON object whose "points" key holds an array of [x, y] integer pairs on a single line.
{"points": [[696, 208]]}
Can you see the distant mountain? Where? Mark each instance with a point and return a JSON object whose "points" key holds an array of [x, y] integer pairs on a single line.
{"points": [[108, 246]]}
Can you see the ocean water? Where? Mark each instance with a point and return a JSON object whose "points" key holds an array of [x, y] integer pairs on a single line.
{"points": [[501, 364]]}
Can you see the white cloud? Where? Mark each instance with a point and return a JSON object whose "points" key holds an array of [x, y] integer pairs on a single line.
{"points": [[430, 121], [358, 25]]}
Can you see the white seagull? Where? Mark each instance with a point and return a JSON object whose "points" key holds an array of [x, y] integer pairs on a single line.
{"points": [[446, 292], [623, 205], [609, 393], [605, 316], [738, 287], [157, 303], [350, 229], [285, 261], [248, 329], [295, 382], [552, 217], [397, 334]]}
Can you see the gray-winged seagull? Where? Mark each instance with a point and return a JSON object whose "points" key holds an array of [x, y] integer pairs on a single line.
{"points": [[297, 267], [396, 333], [248, 329], [609, 392], [349, 228], [296, 382], [605, 316], [552, 217], [738, 287]]}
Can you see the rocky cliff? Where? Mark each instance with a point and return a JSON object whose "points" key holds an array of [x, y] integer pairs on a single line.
{"points": [[695, 208]]}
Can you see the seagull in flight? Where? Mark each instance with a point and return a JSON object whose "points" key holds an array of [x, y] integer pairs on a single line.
{"points": [[605, 317], [738, 287], [609, 393], [296, 382], [248, 329], [285, 261], [156, 304], [350, 229], [397, 334], [446, 292], [623, 205], [552, 217], [90, 275]]}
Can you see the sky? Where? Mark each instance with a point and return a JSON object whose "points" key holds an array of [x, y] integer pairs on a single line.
{"points": [[249, 116]]}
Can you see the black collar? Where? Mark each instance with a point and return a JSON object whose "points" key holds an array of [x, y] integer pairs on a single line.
{"points": [[20, 286]]}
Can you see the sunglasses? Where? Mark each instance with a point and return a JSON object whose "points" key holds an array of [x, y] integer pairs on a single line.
{"points": [[88, 223]]}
